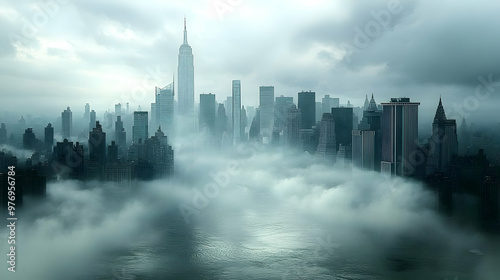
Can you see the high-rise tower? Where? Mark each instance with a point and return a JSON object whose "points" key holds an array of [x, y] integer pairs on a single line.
{"points": [[185, 76], [399, 136], [236, 111]]}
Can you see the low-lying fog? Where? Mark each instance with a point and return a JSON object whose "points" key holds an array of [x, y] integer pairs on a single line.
{"points": [[250, 213]]}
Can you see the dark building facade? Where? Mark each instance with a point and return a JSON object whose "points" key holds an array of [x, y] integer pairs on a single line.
{"points": [[307, 105]]}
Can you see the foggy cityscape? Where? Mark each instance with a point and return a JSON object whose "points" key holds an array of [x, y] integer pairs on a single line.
{"points": [[249, 140]]}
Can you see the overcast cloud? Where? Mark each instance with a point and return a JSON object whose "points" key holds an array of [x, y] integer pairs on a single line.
{"points": [[99, 52]]}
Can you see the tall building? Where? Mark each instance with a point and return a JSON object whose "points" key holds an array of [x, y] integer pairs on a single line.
{"points": [[363, 149], [371, 121], [243, 124], [281, 108], [3, 134], [465, 139], [221, 121], [140, 129], [444, 143], [228, 106], [118, 109], [294, 124], [67, 123], [326, 147], [86, 115], [266, 103], [160, 154], [307, 106], [92, 120], [185, 76], [162, 110], [49, 137], [343, 126], [399, 136], [207, 113], [29, 139], [97, 144], [254, 132], [327, 103], [236, 113], [120, 136]]}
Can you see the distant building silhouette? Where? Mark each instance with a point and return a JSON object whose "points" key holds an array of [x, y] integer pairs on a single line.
{"points": [[294, 125], [307, 105], [29, 139], [221, 121], [140, 128], [326, 147], [266, 106], [443, 141], [92, 120], [207, 113], [343, 126], [162, 110], [327, 103], [281, 107], [236, 111], [371, 121], [67, 123], [49, 137], [120, 136], [3, 134]]}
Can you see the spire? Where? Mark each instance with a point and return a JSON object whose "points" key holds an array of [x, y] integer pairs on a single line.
{"points": [[185, 33], [373, 105], [367, 103], [440, 115]]}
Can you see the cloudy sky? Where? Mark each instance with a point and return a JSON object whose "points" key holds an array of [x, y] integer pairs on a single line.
{"points": [[72, 52]]}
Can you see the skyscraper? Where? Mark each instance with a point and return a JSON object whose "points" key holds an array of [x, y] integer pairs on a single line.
{"points": [[294, 124], [162, 110], [307, 106], [3, 134], [326, 147], [185, 76], [118, 109], [363, 149], [49, 137], [97, 144], [343, 126], [399, 136], [92, 120], [221, 121], [444, 142], [67, 123], [266, 103], [371, 122], [86, 115], [281, 108], [236, 114], [207, 113], [120, 136], [29, 139], [140, 128], [327, 103]]}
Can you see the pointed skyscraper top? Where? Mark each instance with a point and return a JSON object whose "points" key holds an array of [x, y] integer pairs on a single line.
{"points": [[367, 103], [185, 33], [440, 115], [373, 105]]}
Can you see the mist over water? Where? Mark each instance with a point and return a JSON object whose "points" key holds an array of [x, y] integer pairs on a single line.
{"points": [[246, 213]]}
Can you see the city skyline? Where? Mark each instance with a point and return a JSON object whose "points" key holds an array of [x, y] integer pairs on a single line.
{"points": [[307, 139], [320, 35]]}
